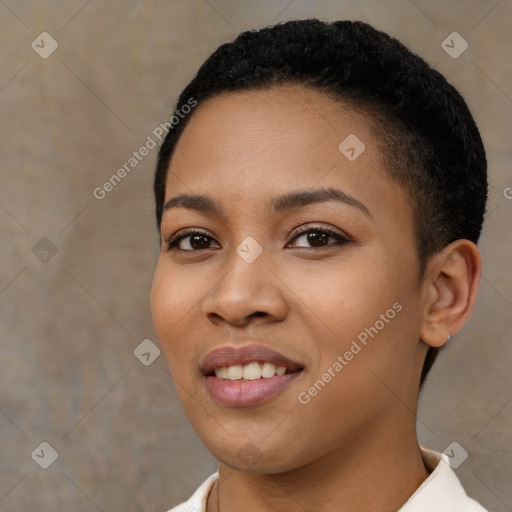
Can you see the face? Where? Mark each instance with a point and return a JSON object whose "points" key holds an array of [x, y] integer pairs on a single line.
{"points": [[286, 298]]}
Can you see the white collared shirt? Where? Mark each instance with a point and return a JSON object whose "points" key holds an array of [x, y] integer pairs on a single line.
{"points": [[440, 492]]}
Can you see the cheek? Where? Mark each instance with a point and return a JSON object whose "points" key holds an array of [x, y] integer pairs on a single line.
{"points": [[346, 297], [369, 302], [377, 332], [162, 301], [173, 298]]}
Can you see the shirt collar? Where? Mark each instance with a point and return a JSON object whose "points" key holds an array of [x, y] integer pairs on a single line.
{"points": [[441, 491]]}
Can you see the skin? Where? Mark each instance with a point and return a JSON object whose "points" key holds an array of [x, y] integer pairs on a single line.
{"points": [[354, 444]]}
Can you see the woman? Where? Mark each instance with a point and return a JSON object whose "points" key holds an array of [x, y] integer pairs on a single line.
{"points": [[319, 201]]}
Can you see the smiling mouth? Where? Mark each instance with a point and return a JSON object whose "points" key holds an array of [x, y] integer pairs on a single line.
{"points": [[241, 376]]}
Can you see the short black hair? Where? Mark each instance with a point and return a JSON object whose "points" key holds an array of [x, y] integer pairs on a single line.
{"points": [[429, 140]]}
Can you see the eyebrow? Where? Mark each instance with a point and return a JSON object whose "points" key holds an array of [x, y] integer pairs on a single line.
{"points": [[286, 202]]}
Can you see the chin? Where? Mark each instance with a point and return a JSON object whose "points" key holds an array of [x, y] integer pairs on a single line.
{"points": [[265, 465], [258, 458]]}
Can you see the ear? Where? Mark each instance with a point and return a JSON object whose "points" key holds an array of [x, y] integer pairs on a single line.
{"points": [[449, 293]]}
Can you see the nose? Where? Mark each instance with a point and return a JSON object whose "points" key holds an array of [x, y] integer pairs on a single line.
{"points": [[246, 292]]}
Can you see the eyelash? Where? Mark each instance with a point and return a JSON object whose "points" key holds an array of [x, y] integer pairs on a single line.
{"points": [[173, 241]]}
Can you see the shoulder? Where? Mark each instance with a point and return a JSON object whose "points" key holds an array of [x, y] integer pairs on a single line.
{"points": [[197, 502], [441, 491]]}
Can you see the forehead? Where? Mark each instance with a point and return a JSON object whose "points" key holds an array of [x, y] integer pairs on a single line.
{"points": [[247, 146]]}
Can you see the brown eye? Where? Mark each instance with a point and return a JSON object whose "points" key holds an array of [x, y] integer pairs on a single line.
{"points": [[192, 241], [317, 238]]}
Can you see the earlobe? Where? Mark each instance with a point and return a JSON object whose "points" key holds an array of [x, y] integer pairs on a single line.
{"points": [[450, 290]]}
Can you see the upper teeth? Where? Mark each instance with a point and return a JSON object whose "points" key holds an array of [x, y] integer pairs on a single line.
{"points": [[251, 371]]}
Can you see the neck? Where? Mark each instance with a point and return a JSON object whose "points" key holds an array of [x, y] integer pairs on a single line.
{"points": [[380, 474]]}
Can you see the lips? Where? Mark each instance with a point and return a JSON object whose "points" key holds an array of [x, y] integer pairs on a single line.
{"points": [[225, 370]]}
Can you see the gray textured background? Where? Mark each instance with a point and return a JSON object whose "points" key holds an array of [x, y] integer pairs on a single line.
{"points": [[69, 325]]}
